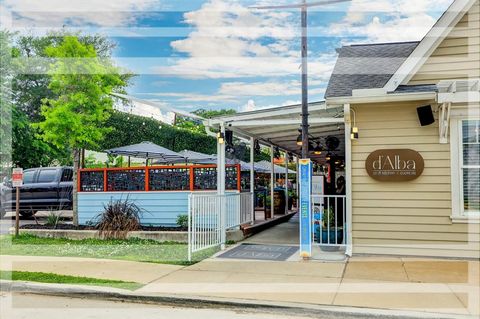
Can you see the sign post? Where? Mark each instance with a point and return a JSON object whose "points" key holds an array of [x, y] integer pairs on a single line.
{"points": [[17, 181], [305, 167]]}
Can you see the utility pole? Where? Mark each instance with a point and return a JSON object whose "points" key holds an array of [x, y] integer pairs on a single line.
{"points": [[304, 11]]}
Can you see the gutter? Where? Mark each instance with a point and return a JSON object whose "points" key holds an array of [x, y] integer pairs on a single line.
{"points": [[403, 97]]}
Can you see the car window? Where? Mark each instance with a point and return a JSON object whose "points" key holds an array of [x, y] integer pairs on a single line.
{"points": [[67, 175], [28, 176], [47, 175]]}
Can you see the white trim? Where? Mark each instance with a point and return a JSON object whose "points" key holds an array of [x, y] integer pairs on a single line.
{"points": [[320, 120], [348, 178], [459, 97], [456, 157], [402, 97], [429, 43]]}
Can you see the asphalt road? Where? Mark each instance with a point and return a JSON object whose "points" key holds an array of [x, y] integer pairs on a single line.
{"points": [[8, 220], [27, 306]]}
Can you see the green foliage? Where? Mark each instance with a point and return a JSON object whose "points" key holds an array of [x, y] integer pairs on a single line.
{"points": [[82, 83], [328, 217], [118, 218], [208, 114], [182, 221], [31, 88], [53, 219], [64, 279], [133, 249], [131, 129]]}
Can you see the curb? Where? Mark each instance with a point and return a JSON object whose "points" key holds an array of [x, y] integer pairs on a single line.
{"points": [[185, 301]]}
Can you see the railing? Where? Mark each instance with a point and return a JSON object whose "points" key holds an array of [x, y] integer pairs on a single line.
{"points": [[157, 178], [211, 215], [329, 220]]}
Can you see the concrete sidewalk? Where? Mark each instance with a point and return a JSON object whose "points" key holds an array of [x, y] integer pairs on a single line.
{"points": [[407, 284]]}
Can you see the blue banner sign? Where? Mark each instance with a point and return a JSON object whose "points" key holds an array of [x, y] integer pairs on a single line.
{"points": [[305, 167]]}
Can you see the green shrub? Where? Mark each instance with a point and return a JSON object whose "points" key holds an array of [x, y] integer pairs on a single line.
{"points": [[53, 219], [182, 220], [119, 218]]}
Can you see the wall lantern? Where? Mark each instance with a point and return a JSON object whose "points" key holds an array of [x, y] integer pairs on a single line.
{"points": [[220, 138]]}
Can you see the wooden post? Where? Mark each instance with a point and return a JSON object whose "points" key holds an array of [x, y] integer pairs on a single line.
{"points": [[17, 212]]}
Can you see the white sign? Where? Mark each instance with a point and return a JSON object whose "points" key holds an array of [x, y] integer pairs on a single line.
{"points": [[317, 185], [17, 177]]}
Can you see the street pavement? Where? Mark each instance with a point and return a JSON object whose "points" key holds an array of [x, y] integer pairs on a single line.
{"points": [[27, 306]]}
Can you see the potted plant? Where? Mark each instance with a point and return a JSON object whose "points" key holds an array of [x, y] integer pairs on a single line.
{"points": [[329, 234], [292, 199]]}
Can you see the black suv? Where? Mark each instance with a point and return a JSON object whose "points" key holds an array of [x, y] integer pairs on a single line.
{"points": [[44, 188]]}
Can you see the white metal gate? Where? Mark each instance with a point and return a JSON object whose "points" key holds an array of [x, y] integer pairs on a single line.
{"points": [[329, 219], [211, 215]]}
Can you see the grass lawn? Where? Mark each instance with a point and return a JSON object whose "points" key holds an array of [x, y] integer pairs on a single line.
{"points": [[129, 249], [61, 279]]}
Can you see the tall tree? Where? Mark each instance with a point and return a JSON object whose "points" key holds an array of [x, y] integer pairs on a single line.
{"points": [[82, 83], [31, 88]]}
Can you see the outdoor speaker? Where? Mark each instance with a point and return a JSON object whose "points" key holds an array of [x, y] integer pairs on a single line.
{"points": [[228, 137], [425, 115]]}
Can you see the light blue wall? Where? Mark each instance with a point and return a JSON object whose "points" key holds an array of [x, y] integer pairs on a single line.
{"points": [[161, 208]]}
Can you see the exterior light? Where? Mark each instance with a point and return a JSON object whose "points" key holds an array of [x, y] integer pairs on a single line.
{"points": [[220, 138], [318, 150], [299, 140], [328, 157], [354, 134]]}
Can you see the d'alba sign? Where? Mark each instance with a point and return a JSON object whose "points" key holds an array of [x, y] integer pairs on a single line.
{"points": [[394, 165]]}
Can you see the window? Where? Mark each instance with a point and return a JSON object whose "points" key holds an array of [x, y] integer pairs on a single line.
{"points": [[470, 166], [67, 175], [28, 176], [465, 154], [47, 175]]}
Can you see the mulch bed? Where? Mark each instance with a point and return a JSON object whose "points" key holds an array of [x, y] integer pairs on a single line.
{"points": [[83, 227]]}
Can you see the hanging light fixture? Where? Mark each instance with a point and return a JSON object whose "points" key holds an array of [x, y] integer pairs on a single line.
{"points": [[299, 140], [318, 149], [276, 153], [328, 157]]}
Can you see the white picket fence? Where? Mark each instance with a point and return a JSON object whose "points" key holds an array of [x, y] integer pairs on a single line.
{"points": [[329, 220], [210, 216]]}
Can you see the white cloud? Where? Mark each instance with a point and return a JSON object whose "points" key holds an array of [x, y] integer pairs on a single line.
{"points": [[56, 13], [270, 88], [229, 42], [250, 106], [389, 20], [141, 109]]}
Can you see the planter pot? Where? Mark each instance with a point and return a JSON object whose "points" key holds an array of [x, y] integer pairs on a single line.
{"points": [[328, 236]]}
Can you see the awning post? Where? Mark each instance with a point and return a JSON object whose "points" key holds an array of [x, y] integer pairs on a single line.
{"points": [[286, 182], [252, 176], [272, 182]]}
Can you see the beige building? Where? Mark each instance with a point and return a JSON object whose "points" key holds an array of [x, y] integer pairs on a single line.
{"points": [[437, 214]]}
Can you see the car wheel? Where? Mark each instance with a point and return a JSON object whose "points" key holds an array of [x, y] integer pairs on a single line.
{"points": [[27, 213]]}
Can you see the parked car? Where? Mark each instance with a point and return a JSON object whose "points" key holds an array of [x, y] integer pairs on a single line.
{"points": [[44, 188]]}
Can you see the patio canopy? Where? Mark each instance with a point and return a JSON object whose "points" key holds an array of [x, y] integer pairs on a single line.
{"points": [[148, 150], [202, 158], [279, 126], [265, 166]]}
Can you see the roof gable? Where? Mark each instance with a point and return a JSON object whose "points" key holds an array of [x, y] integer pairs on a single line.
{"points": [[429, 43], [366, 66]]}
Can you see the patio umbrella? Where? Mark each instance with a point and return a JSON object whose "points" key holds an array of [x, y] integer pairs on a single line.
{"points": [[148, 150], [277, 169]]}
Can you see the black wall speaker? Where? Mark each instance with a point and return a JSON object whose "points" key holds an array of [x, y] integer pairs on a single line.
{"points": [[228, 137], [425, 115]]}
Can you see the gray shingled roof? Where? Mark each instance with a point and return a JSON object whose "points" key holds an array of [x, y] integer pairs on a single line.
{"points": [[366, 66]]}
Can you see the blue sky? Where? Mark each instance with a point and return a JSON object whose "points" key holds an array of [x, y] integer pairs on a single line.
{"points": [[222, 54]]}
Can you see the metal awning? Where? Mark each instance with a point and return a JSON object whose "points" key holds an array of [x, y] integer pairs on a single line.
{"points": [[147, 150], [280, 126]]}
